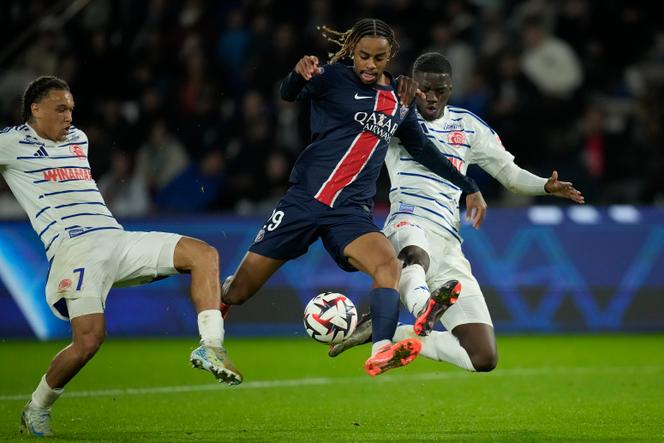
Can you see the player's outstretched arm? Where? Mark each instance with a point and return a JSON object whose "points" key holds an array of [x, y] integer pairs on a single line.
{"points": [[305, 69], [524, 182], [562, 189]]}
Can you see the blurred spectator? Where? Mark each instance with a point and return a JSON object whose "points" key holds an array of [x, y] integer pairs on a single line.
{"points": [[109, 132], [211, 70], [255, 141], [553, 67], [233, 44], [9, 207], [458, 52], [275, 185], [42, 54], [513, 113], [266, 69], [478, 96], [161, 159], [197, 188], [549, 62], [124, 192]]}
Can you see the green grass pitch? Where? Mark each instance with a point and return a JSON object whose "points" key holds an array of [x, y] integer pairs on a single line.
{"points": [[546, 388]]}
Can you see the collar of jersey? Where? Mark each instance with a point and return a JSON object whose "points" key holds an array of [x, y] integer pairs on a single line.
{"points": [[46, 141]]}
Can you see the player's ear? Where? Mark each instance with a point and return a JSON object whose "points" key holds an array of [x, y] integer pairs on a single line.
{"points": [[34, 107]]}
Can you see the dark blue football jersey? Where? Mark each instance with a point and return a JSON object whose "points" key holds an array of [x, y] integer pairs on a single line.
{"points": [[351, 127]]}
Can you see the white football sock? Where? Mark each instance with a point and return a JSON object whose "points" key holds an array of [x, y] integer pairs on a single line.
{"points": [[211, 327], [413, 288], [378, 345], [44, 396], [440, 346]]}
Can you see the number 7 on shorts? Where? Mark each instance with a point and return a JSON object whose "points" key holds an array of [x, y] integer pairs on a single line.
{"points": [[80, 277]]}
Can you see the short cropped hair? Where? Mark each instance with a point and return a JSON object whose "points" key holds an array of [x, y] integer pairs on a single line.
{"points": [[434, 62], [37, 90]]}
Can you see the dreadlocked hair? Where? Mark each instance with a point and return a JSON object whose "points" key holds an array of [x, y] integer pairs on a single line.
{"points": [[367, 27]]}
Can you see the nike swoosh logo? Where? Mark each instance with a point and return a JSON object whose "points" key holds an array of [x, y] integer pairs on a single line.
{"points": [[361, 97]]}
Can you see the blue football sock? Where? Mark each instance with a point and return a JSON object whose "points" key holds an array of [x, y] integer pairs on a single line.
{"points": [[384, 313]]}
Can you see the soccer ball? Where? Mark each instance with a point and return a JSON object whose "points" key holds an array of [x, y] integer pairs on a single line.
{"points": [[330, 317]]}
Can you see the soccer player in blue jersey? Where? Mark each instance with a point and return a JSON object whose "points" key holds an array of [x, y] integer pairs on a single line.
{"points": [[427, 235], [355, 111], [45, 163]]}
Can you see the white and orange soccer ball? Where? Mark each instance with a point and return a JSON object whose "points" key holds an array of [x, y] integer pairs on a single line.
{"points": [[330, 317]]}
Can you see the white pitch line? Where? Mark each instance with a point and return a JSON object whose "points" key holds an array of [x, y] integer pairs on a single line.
{"points": [[284, 383]]}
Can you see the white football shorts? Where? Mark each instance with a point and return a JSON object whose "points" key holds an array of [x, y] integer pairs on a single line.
{"points": [[447, 262], [85, 268]]}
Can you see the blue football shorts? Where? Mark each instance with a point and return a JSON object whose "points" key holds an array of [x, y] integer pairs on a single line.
{"points": [[299, 220]]}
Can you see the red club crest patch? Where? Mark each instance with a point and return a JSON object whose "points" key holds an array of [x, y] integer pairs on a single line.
{"points": [[457, 137], [77, 151], [64, 284]]}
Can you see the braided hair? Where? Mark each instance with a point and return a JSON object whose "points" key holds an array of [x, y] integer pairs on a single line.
{"points": [[37, 90], [366, 27]]}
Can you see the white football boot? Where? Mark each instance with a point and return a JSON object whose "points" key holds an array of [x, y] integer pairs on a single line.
{"points": [[36, 421], [216, 361]]}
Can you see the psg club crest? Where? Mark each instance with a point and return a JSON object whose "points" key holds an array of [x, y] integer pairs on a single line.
{"points": [[456, 138], [403, 110], [259, 236]]}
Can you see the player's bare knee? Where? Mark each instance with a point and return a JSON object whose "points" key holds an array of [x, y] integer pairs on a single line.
{"points": [[414, 255], [204, 257], [485, 361], [209, 257], [196, 255], [87, 345]]}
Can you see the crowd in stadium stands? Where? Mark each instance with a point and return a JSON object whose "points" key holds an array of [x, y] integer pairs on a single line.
{"points": [[179, 98]]}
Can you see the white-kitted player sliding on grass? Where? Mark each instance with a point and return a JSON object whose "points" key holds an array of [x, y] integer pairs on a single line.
{"points": [[424, 221], [45, 163]]}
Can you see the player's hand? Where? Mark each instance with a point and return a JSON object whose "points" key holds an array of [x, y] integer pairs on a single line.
{"points": [[407, 89], [307, 67], [563, 189], [475, 209]]}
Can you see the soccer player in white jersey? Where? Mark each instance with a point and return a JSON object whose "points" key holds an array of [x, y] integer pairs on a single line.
{"points": [[45, 163], [423, 226]]}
